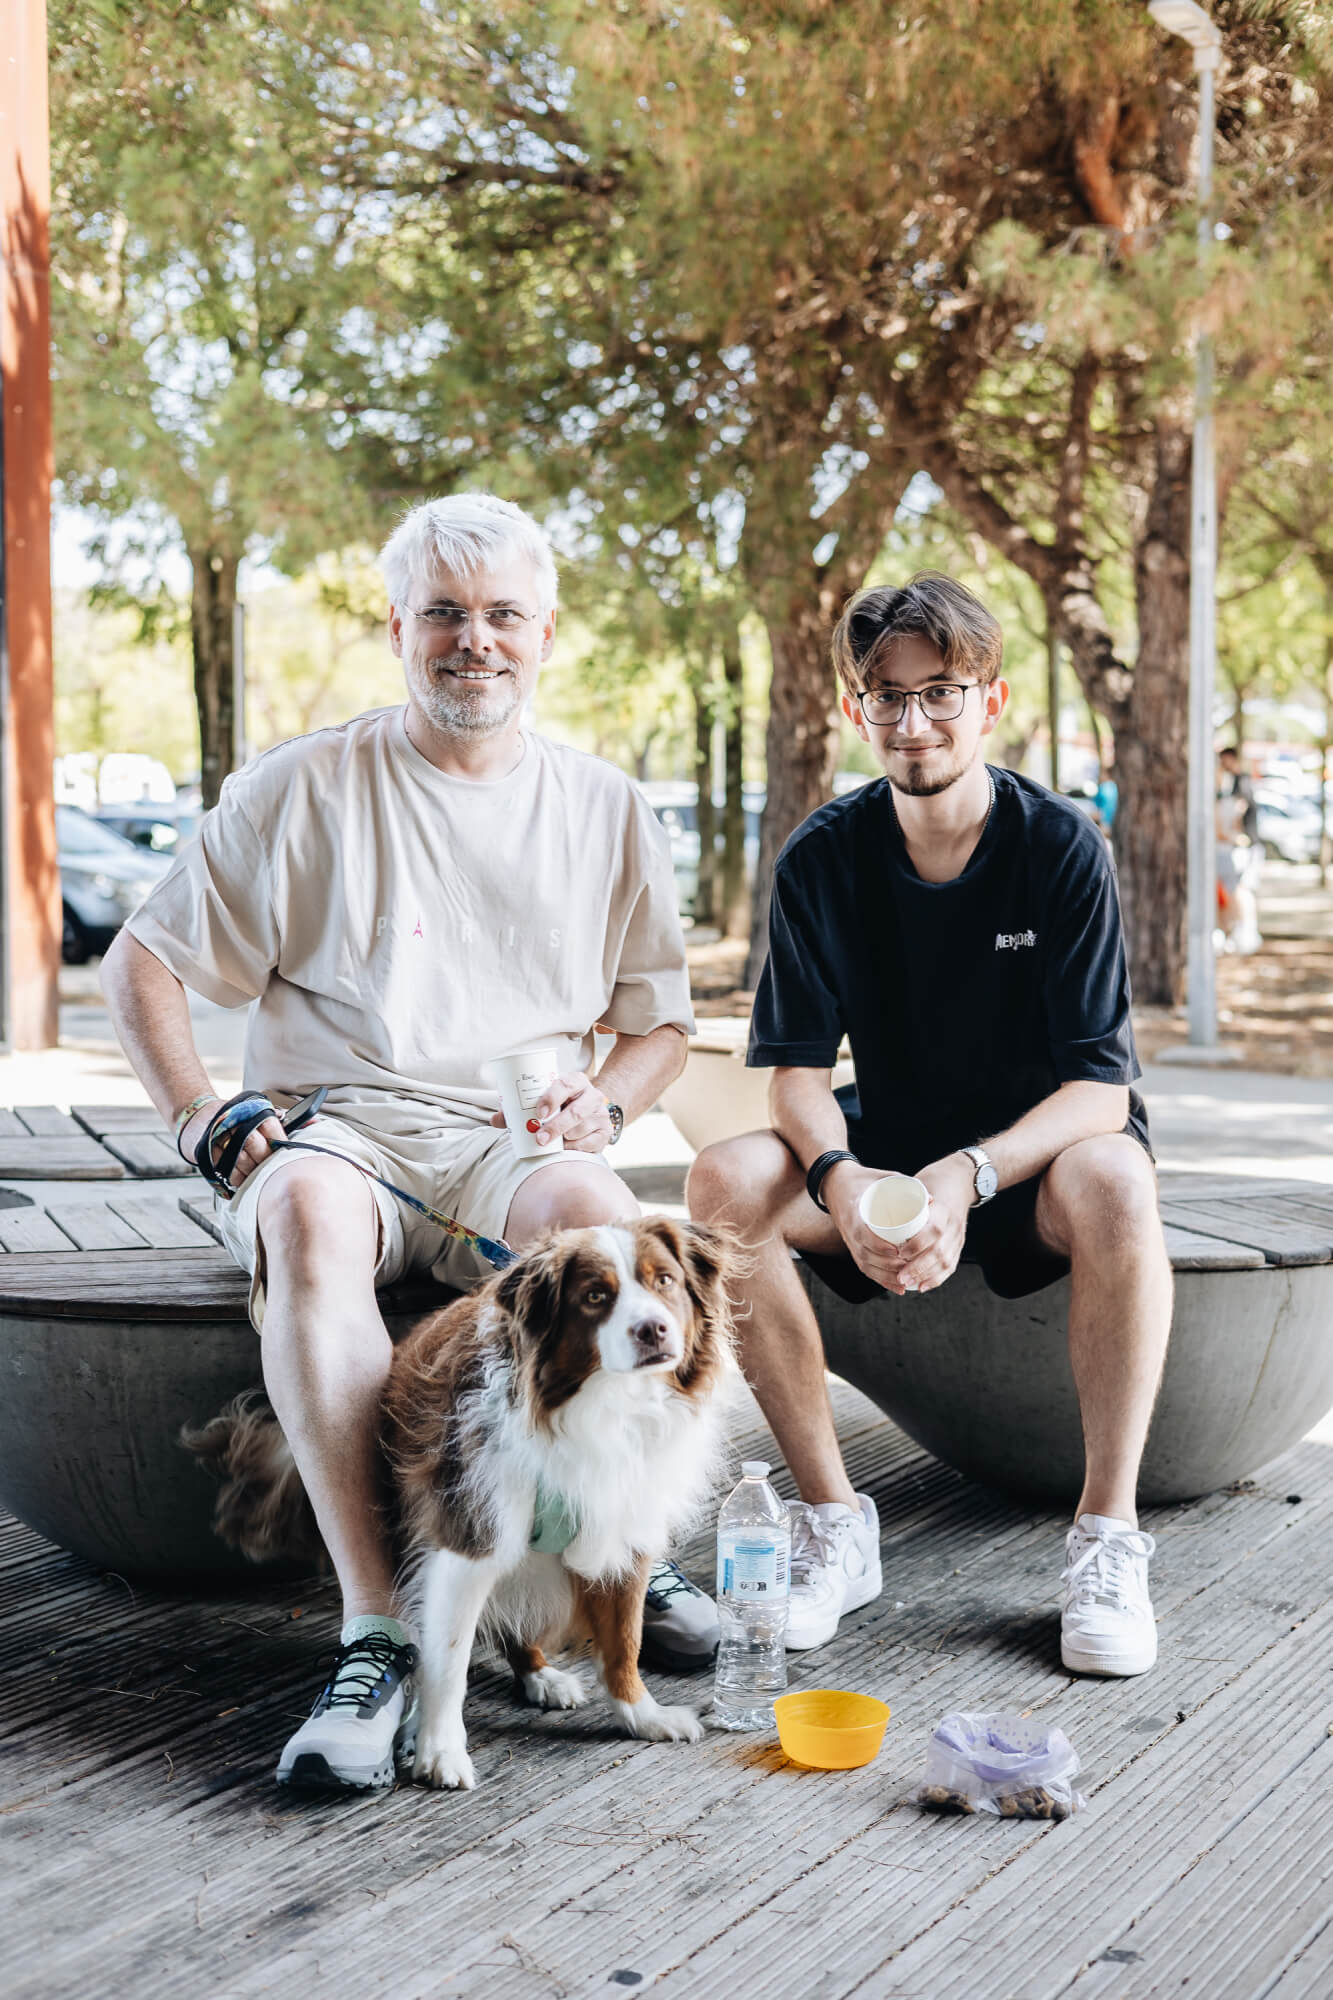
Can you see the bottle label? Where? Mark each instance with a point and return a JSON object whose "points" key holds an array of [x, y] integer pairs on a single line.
{"points": [[752, 1566]]}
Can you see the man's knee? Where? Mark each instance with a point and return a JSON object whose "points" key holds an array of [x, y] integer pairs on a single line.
{"points": [[1103, 1191], [315, 1219], [568, 1197], [740, 1181]]}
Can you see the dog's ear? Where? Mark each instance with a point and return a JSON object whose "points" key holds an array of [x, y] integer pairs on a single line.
{"points": [[709, 1258], [531, 1291]]}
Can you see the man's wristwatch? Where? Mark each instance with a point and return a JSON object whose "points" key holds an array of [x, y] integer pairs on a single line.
{"points": [[984, 1177], [814, 1179], [617, 1117]]}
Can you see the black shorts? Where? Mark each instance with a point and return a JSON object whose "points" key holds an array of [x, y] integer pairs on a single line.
{"points": [[1001, 1237]]}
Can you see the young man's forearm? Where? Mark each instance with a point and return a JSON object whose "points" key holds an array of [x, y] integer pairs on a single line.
{"points": [[805, 1114], [1075, 1111], [151, 1016]]}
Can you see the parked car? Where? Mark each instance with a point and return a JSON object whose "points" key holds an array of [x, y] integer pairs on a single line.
{"points": [[161, 828], [675, 802], [1289, 827], [103, 880]]}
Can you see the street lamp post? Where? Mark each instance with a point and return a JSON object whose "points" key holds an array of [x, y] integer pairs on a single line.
{"points": [[1185, 18]]}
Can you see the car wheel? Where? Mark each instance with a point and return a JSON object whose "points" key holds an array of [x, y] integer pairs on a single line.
{"points": [[75, 948]]}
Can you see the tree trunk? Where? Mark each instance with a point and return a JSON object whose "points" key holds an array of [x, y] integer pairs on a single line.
{"points": [[1152, 736], [801, 740], [705, 891], [1053, 695], [734, 913], [212, 629]]}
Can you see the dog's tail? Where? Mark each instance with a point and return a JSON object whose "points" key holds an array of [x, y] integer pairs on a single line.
{"points": [[262, 1509]]}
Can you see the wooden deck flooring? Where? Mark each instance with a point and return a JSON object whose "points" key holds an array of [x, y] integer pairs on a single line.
{"points": [[147, 1850]]}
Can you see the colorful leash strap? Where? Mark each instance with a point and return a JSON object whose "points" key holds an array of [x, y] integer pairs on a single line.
{"points": [[236, 1120]]}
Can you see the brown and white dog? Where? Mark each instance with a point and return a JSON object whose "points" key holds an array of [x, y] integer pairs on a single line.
{"points": [[571, 1399]]}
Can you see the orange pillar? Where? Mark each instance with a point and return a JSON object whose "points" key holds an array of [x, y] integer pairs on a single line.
{"points": [[31, 881]]}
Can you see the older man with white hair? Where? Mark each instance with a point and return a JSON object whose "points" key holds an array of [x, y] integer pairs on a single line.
{"points": [[405, 897]]}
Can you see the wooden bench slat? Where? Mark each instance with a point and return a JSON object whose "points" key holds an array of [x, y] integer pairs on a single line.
{"points": [[125, 1284], [159, 1285], [44, 1121], [1315, 1209], [149, 1155], [160, 1222], [99, 1119], [1191, 1252], [95, 1226], [1262, 1222], [1226, 1187], [29, 1229], [200, 1208], [80, 1159]]}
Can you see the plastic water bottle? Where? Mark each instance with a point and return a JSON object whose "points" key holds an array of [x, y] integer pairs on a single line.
{"points": [[753, 1580]]}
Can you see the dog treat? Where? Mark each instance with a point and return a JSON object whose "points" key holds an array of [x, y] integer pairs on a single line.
{"points": [[938, 1798], [1005, 1765]]}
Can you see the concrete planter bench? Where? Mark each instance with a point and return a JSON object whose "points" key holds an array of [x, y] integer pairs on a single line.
{"points": [[121, 1319], [104, 1354], [985, 1383]]}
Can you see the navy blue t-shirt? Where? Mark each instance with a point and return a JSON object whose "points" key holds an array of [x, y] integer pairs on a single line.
{"points": [[965, 1002]]}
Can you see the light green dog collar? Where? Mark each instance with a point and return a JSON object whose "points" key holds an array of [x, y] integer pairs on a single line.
{"points": [[554, 1524]]}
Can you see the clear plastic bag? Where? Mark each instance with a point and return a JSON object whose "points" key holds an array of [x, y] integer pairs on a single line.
{"points": [[1009, 1765]]}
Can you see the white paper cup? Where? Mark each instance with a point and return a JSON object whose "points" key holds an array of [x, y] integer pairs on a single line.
{"points": [[895, 1208], [521, 1080]]}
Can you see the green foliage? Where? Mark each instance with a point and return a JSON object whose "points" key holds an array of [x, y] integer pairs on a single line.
{"points": [[709, 284], [115, 689]]}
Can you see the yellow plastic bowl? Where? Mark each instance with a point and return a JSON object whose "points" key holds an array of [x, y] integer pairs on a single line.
{"points": [[829, 1729]]}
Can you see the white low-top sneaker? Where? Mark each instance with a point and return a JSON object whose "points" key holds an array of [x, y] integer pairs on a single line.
{"points": [[834, 1567], [1107, 1624], [364, 1721]]}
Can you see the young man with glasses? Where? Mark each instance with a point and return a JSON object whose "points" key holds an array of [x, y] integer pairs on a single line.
{"points": [[403, 898], [959, 924]]}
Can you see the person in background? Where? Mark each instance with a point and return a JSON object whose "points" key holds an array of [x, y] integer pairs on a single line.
{"points": [[1239, 855]]}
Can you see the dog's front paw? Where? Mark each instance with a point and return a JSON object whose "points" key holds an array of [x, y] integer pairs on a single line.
{"points": [[444, 1764], [549, 1687], [660, 1725]]}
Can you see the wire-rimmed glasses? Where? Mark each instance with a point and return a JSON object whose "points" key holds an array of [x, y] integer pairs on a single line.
{"points": [[455, 618]]}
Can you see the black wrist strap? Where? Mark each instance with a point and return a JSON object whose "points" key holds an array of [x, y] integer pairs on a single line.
{"points": [[814, 1179], [233, 1122]]}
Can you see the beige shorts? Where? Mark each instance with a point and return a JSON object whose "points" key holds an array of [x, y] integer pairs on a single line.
{"points": [[469, 1172]]}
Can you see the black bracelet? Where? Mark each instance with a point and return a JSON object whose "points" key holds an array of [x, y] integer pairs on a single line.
{"points": [[814, 1179]]}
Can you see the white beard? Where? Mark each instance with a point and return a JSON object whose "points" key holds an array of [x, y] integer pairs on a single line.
{"points": [[462, 708]]}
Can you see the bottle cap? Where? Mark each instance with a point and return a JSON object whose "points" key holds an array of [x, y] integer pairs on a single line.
{"points": [[754, 1468]]}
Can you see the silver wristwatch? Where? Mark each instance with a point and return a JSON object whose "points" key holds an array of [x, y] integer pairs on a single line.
{"points": [[984, 1179]]}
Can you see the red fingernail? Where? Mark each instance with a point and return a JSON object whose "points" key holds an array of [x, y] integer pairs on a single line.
{"points": [[534, 1125]]}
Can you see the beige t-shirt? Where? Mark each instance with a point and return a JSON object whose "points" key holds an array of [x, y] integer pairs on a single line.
{"points": [[398, 926]]}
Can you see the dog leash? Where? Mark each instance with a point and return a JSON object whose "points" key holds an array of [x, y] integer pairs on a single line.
{"points": [[234, 1121]]}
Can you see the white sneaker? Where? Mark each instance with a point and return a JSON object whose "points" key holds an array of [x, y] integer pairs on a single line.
{"points": [[364, 1720], [1107, 1624], [834, 1567]]}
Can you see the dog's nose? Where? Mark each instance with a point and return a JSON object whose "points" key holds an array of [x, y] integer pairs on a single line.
{"points": [[652, 1337]]}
